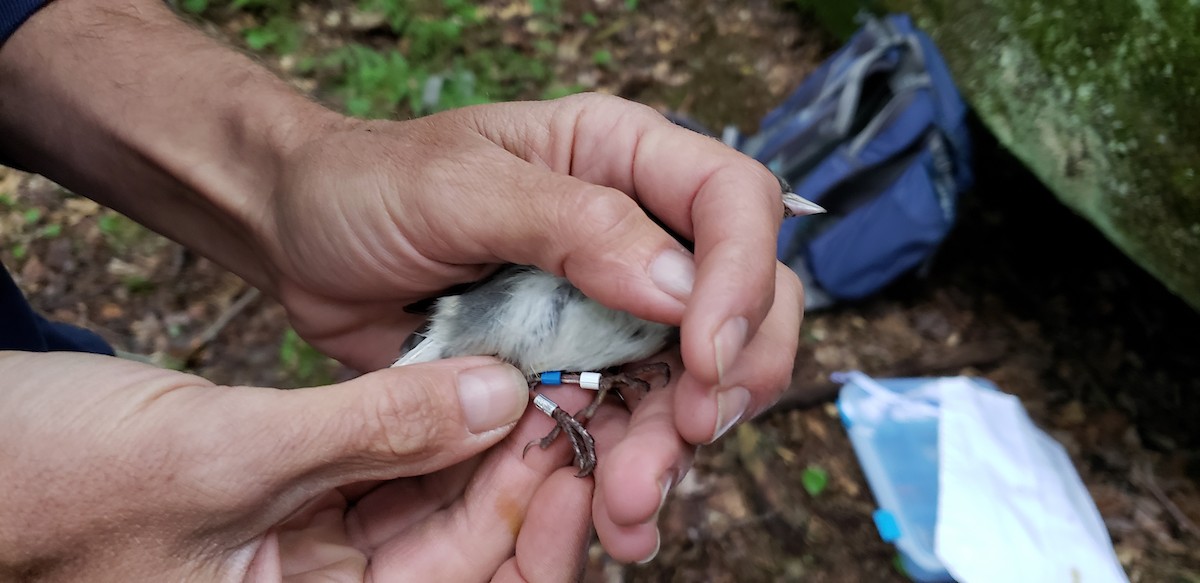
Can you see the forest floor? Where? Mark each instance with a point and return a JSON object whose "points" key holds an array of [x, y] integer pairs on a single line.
{"points": [[1024, 293]]}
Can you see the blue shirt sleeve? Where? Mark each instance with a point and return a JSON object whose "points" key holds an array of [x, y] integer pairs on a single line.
{"points": [[14, 13], [20, 327]]}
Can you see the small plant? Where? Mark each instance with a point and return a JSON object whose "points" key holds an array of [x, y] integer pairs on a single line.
{"points": [[276, 29], [303, 363], [372, 83], [556, 91], [279, 33], [602, 57], [381, 83], [814, 479], [195, 7], [120, 233], [546, 7], [137, 284]]}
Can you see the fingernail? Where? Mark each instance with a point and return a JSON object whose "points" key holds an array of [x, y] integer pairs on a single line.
{"points": [[657, 546], [731, 406], [665, 484], [797, 206], [728, 343], [674, 272], [492, 396]]}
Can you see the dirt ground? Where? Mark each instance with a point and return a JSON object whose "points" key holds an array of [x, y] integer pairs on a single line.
{"points": [[1024, 293]]}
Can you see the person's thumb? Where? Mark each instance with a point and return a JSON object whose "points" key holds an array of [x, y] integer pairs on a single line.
{"points": [[391, 423]]}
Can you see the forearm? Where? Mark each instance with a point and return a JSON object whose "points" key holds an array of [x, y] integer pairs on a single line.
{"points": [[125, 104]]}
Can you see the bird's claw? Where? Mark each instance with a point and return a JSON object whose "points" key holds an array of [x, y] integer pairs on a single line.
{"points": [[582, 442]]}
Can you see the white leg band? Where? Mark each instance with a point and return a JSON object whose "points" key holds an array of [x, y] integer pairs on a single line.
{"points": [[589, 380]]}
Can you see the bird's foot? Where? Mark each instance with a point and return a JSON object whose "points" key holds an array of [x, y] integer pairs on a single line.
{"points": [[582, 442], [638, 379]]}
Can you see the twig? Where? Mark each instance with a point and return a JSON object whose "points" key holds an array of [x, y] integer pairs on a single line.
{"points": [[966, 355], [1143, 475], [209, 334]]}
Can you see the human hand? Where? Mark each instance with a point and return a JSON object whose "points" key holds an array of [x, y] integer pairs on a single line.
{"points": [[116, 471], [346, 221], [367, 216], [372, 216]]}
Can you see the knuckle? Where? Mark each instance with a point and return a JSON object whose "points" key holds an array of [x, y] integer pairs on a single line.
{"points": [[590, 99], [770, 185], [403, 425], [601, 215], [789, 284], [606, 104]]}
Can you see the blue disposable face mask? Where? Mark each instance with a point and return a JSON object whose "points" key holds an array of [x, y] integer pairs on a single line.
{"points": [[969, 488]]}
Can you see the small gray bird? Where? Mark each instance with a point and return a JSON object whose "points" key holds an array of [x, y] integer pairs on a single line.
{"points": [[545, 326]]}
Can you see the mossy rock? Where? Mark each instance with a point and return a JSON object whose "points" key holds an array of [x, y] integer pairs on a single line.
{"points": [[1099, 100]]}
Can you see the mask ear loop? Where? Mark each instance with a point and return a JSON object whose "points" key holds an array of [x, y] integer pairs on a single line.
{"points": [[901, 405]]}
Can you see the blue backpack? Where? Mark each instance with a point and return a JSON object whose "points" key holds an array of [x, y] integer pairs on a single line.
{"points": [[876, 135]]}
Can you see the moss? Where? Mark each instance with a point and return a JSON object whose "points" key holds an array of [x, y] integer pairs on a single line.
{"points": [[1098, 99]]}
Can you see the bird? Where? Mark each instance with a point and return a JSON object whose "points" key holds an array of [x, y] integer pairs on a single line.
{"points": [[555, 334]]}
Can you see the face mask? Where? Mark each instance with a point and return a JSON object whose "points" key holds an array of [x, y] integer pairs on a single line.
{"points": [[969, 487]]}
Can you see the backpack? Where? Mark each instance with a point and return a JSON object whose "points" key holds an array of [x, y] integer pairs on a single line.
{"points": [[877, 135]]}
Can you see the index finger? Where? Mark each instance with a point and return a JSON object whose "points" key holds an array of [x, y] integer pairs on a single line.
{"points": [[727, 203]]}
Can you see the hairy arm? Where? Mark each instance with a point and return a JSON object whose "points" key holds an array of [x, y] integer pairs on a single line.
{"points": [[126, 104]]}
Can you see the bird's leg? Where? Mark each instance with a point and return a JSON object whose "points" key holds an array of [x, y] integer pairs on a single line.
{"points": [[582, 442], [573, 425], [614, 378]]}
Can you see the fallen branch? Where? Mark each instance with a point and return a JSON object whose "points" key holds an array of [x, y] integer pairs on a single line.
{"points": [[976, 354], [209, 334], [1143, 476]]}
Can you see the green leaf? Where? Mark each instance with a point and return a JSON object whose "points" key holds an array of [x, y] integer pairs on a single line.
{"points": [[589, 19], [260, 38], [137, 284], [631, 5], [602, 57], [289, 348], [6, 201], [556, 91], [19, 251], [306, 64], [358, 106], [195, 6], [302, 361], [814, 479], [108, 224], [52, 231], [32, 216]]}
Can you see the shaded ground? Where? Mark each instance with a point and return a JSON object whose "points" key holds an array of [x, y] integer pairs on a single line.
{"points": [[1024, 293]]}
